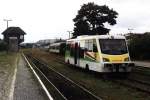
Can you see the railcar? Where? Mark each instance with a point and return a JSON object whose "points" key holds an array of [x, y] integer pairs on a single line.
{"points": [[54, 47], [58, 48], [45, 48], [100, 53]]}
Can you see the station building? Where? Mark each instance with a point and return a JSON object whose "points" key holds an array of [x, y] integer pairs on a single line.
{"points": [[13, 36]]}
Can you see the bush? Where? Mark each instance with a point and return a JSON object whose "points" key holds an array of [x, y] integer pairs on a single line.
{"points": [[3, 46]]}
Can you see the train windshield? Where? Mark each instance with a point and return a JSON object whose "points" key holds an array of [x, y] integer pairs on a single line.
{"points": [[113, 46]]}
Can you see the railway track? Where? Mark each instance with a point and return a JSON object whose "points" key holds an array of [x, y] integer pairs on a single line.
{"points": [[135, 84], [65, 87], [139, 79], [141, 70]]}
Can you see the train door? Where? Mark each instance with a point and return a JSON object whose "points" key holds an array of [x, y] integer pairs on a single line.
{"points": [[76, 54]]}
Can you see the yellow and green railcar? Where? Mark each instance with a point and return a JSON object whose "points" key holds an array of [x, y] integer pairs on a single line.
{"points": [[100, 53]]}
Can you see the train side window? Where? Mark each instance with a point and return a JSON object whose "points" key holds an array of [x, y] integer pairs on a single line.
{"points": [[81, 52], [89, 45], [82, 49], [94, 46], [90, 49], [86, 45]]}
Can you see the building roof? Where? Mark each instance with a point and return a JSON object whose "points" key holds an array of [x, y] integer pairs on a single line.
{"points": [[14, 30]]}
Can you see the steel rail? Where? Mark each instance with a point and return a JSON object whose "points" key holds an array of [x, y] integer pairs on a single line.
{"points": [[128, 79], [81, 87], [38, 78], [48, 81]]}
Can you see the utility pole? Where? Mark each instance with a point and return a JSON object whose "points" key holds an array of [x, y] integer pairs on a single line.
{"points": [[130, 30], [7, 20], [69, 33]]}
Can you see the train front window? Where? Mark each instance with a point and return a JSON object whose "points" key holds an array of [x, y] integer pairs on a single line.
{"points": [[113, 46]]}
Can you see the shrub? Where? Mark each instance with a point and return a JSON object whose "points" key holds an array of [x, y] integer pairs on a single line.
{"points": [[3, 46]]}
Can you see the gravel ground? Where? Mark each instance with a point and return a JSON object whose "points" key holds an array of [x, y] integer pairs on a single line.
{"points": [[26, 85], [142, 63]]}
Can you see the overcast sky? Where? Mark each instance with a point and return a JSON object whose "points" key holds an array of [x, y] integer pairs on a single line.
{"points": [[46, 19]]}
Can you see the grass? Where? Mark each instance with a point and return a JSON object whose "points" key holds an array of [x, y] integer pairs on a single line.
{"points": [[102, 88], [8, 62]]}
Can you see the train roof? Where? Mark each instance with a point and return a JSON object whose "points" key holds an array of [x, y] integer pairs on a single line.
{"points": [[57, 43], [84, 37]]}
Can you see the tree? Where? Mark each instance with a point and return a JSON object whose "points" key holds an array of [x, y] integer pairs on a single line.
{"points": [[3, 46], [91, 18], [139, 46]]}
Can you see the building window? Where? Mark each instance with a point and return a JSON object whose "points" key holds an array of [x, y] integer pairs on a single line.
{"points": [[21, 37]]}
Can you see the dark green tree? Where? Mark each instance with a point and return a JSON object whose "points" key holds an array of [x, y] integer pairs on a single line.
{"points": [[139, 46], [91, 18], [3, 46]]}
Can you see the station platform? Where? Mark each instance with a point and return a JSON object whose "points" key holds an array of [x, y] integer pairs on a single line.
{"points": [[142, 63], [27, 86]]}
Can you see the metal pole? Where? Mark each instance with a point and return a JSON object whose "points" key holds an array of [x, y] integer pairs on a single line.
{"points": [[7, 20], [69, 33], [130, 32]]}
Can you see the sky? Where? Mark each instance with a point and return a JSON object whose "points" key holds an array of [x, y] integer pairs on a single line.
{"points": [[49, 19]]}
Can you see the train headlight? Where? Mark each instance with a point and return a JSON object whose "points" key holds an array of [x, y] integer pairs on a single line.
{"points": [[126, 59], [105, 59]]}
